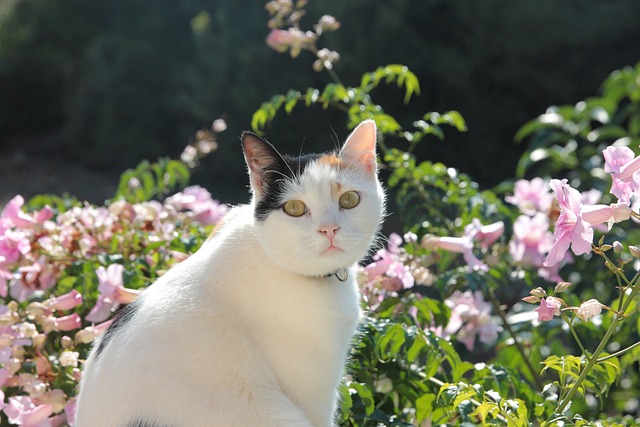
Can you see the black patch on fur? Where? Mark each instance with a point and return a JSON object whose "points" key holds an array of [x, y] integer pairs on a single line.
{"points": [[271, 199], [119, 322], [145, 423]]}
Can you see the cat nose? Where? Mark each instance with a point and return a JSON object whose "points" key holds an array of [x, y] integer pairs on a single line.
{"points": [[329, 229]]}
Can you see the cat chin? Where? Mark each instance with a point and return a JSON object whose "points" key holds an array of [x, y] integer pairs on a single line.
{"points": [[325, 266]]}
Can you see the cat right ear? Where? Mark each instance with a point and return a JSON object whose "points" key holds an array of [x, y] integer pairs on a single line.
{"points": [[263, 160]]}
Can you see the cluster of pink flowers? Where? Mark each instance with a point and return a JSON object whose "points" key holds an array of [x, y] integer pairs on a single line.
{"points": [[43, 335], [578, 215], [393, 270], [287, 14], [552, 305]]}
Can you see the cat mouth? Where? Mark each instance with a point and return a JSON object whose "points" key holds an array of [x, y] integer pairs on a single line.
{"points": [[331, 250]]}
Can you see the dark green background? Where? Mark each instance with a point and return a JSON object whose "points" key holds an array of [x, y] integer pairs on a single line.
{"points": [[108, 83]]}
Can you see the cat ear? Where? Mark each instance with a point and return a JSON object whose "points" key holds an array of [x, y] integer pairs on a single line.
{"points": [[360, 147], [263, 161]]}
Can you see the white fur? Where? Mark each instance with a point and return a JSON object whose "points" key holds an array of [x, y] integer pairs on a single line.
{"points": [[247, 331]]}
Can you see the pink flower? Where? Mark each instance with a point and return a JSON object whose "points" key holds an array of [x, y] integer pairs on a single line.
{"points": [[5, 275], [198, 200], [326, 23], [485, 235], [41, 275], [21, 410], [90, 333], [531, 196], [471, 318], [603, 214], [571, 229], [292, 39], [549, 307], [65, 323], [67, 301], [388, 268], [13, 245], [589, 309], [623, 166], [531, 240], [13, 215], [112, 293], [462, 245]]}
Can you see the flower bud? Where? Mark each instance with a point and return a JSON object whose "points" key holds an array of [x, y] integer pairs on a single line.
{"points": [[538, 292], [561, 287], [66, 342], [635, 251], [589, 309], [531, 299], [617, 247]]}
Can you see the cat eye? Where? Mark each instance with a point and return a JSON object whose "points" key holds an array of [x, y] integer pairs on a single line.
{"points": [[349, 199], [294, 208]]}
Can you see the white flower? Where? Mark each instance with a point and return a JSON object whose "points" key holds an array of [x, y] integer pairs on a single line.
{"points": [[589, 309], [69, 358]]}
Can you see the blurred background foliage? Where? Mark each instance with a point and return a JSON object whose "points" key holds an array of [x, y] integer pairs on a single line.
{"points": [[110, 83]]}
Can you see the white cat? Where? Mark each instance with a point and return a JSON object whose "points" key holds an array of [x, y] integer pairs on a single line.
{"points": [[254, 328]]}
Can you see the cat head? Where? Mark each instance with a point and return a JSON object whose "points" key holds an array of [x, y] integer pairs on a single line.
{"points": [[318, 213]]}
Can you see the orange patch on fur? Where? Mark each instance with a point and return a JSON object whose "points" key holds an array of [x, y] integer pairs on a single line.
{"points": [[331, 160]]}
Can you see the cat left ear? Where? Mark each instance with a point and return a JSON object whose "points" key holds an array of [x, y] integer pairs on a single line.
{"points": [[360, 147], [261, 158]]}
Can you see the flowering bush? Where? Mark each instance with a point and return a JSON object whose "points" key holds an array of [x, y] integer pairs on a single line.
{"points": [[492, 308], [64, 271]]}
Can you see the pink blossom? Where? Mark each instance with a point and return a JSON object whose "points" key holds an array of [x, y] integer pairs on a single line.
{"points": [[65, 323], [5, 275], [603, 214], [112, 293], [23, 411], [13, 245], [67, 301], [485, 235], [531, 240], [571, 229], [90, 333], [622, 164], [41, 275], [292, 39], [462, 245], [471, 318], [326, 23], [388, 269], [70, 411], [13, 216], [531, 196], [198, 200], [549, 307]]}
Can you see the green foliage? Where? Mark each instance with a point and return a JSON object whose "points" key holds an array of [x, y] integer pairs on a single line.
{"points": [[152, 180], [568, 139], [356, 101]]}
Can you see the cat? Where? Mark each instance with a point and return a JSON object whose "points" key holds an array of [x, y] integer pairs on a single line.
{"points": [[254, 328]]}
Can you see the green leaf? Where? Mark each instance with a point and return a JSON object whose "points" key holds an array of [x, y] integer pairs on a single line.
{"points": [[365, 396], [424, 406]]}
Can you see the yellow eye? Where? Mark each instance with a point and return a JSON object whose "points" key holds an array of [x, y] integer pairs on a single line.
{"points": [[349, 200], [294, 208]]}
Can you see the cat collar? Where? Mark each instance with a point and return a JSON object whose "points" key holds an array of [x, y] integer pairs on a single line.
{"points": [[341, 274]]}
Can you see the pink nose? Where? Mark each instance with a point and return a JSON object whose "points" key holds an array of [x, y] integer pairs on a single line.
{"points": [[329, 229]]}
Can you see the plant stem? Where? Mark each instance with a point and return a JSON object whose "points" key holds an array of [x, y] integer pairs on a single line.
{"points": [[594, 359], [519, 346], [575, 335], [618, 353]]}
